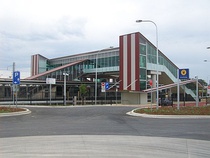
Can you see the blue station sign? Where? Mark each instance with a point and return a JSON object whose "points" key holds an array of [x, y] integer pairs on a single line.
{"points": [[183, 73]]}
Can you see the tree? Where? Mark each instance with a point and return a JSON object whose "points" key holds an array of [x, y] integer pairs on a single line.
{"points": [[202, 82], [83, 92]]}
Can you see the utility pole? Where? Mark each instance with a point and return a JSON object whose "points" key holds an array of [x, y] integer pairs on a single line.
{"points": [[13, 85]]}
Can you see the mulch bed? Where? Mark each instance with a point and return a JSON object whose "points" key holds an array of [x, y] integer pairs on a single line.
{"points": [[10, 109], [183, 110]]}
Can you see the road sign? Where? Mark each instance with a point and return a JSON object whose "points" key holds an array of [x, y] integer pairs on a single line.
{"points": [[208, 89], [103, 87], [50, 81], [183, 73], [107, 85], [16, 77], [150, 83]]}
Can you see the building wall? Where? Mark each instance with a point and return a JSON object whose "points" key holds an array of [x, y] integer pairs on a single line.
{"points": [[129, 62], [38, 64], [133, 98], [34, 64]]}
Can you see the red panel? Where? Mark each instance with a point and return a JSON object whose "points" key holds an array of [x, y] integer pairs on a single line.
{"points": [[37, 64], [121, 63], [32, 65], [129, 61]]}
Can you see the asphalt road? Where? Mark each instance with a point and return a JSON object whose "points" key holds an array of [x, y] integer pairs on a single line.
{"points": [[102, 124]]}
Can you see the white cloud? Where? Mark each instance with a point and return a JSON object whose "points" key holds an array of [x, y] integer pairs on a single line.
{"points": [[56, 28]]}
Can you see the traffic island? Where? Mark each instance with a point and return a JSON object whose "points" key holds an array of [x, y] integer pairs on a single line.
{"points": [[173, 112], [11, 111]]}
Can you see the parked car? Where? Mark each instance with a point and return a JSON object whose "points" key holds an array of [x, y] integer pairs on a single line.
{"points": [[165, 102]]}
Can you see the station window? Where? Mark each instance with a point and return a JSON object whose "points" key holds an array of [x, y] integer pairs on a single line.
{"points": [[143, 85]]}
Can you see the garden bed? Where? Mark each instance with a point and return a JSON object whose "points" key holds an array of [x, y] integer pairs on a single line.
{"points": [[10, 109], [184, 110]]}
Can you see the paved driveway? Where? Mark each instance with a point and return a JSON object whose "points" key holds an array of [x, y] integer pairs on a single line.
{"points": [[101, 131]]}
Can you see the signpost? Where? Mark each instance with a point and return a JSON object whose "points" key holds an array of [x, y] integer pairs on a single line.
{"points": [[16, 81], [116, 90], [104, 88], [50, 81], [150, 83], [181, 74]]}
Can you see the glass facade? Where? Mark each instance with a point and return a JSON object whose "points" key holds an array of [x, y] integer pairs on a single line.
{"points": [[143, 64], [151, 55], [162, 59], [42, 64], [107, 60]]}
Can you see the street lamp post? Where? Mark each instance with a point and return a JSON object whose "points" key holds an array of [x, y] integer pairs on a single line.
{"points": [[96, 78], [207, 81], [13, 85], [157, 71], [207, 61], [64, 91], [197, 99], [96, 72], [207, 76]]}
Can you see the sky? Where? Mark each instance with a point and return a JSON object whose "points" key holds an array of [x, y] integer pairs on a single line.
{"points": [[56, 28]]}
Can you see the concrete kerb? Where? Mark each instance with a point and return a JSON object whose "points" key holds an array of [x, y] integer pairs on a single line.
{"points": [[25, 112], [133, 113]]}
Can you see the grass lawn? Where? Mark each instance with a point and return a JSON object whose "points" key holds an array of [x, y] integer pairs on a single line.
{"points": [[10, 109], [184, 110]]}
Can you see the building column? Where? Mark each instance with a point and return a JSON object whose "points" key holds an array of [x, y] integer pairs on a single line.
{"points": [[169, 94], [2, 91], [27, 92], [153, 76]]}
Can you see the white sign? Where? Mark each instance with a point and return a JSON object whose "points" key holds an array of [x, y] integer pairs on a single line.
{"points": [[103, 89], [208, 90], [50, 81]]}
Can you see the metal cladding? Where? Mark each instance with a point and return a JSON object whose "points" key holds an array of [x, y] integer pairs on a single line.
{"points": [[35, 64], [129, 62]]}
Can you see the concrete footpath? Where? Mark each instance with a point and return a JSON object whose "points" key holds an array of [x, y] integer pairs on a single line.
{"points": [[110, 146]]}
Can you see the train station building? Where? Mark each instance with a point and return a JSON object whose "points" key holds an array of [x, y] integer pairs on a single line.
{"points": [[127, 70]]}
